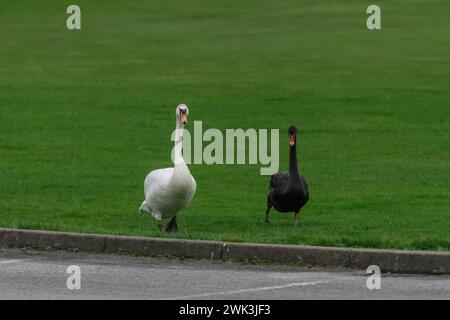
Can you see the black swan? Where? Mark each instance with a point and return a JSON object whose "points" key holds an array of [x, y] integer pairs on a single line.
{"points": [[288, 191]]}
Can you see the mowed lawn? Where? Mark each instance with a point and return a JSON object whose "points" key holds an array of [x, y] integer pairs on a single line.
{"points": [[85, 115]]}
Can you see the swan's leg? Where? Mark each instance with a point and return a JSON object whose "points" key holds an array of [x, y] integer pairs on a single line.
{"points": [[296, 217], [159, 223], [269, 205], [172, 226]]}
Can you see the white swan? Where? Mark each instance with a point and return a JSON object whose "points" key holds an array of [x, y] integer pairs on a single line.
{"points": [[168, 191]]}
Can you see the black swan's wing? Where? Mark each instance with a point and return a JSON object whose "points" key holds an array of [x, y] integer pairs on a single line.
{"points": [[305, 188], [279, 181], [304, 184]]}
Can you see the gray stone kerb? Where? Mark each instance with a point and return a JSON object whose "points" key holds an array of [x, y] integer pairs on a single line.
{"points": [[396, 261]]}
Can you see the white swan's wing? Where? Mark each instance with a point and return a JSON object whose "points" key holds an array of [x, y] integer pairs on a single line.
{"points": [[193, 188], [157, 179], [155, 191]]}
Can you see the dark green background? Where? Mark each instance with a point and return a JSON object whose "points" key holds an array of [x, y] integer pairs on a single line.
{"points": [[84, 115]]}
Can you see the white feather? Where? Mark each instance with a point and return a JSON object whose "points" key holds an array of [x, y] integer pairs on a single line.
{"points": [[168, 191]]}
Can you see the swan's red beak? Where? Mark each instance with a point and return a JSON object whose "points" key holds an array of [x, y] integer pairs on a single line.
{"points": [[183, 118], [292, 139]]}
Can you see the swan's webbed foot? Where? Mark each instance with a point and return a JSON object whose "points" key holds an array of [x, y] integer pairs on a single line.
{"points": [[172, 226]]}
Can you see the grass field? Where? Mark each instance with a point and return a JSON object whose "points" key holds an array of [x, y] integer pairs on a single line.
{"points": [[84, 115]]}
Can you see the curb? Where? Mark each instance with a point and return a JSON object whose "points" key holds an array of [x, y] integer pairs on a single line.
{"points": [[395, 261]]}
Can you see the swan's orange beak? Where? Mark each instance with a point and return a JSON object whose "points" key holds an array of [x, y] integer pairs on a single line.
{"points": [[183, 118], [292, 139]]}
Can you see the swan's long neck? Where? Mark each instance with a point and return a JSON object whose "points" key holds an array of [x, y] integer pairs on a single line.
{"points": [[294, 179], [181, 174], [178, 149]]}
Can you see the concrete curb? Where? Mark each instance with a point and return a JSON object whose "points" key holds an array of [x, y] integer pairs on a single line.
{"points": [[396, 261]]}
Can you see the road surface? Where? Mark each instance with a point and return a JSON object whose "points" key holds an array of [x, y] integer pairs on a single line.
{"points": [[27, 274]]}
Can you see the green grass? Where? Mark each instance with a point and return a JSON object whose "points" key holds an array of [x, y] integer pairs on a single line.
{"points": [[85, 115]]}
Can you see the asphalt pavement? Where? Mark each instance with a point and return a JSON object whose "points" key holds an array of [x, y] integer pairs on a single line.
{"points": [[29, 274]]}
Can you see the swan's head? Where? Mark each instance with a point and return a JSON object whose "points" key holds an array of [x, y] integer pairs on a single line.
{"points": [[182, 113], [292, 135]]}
